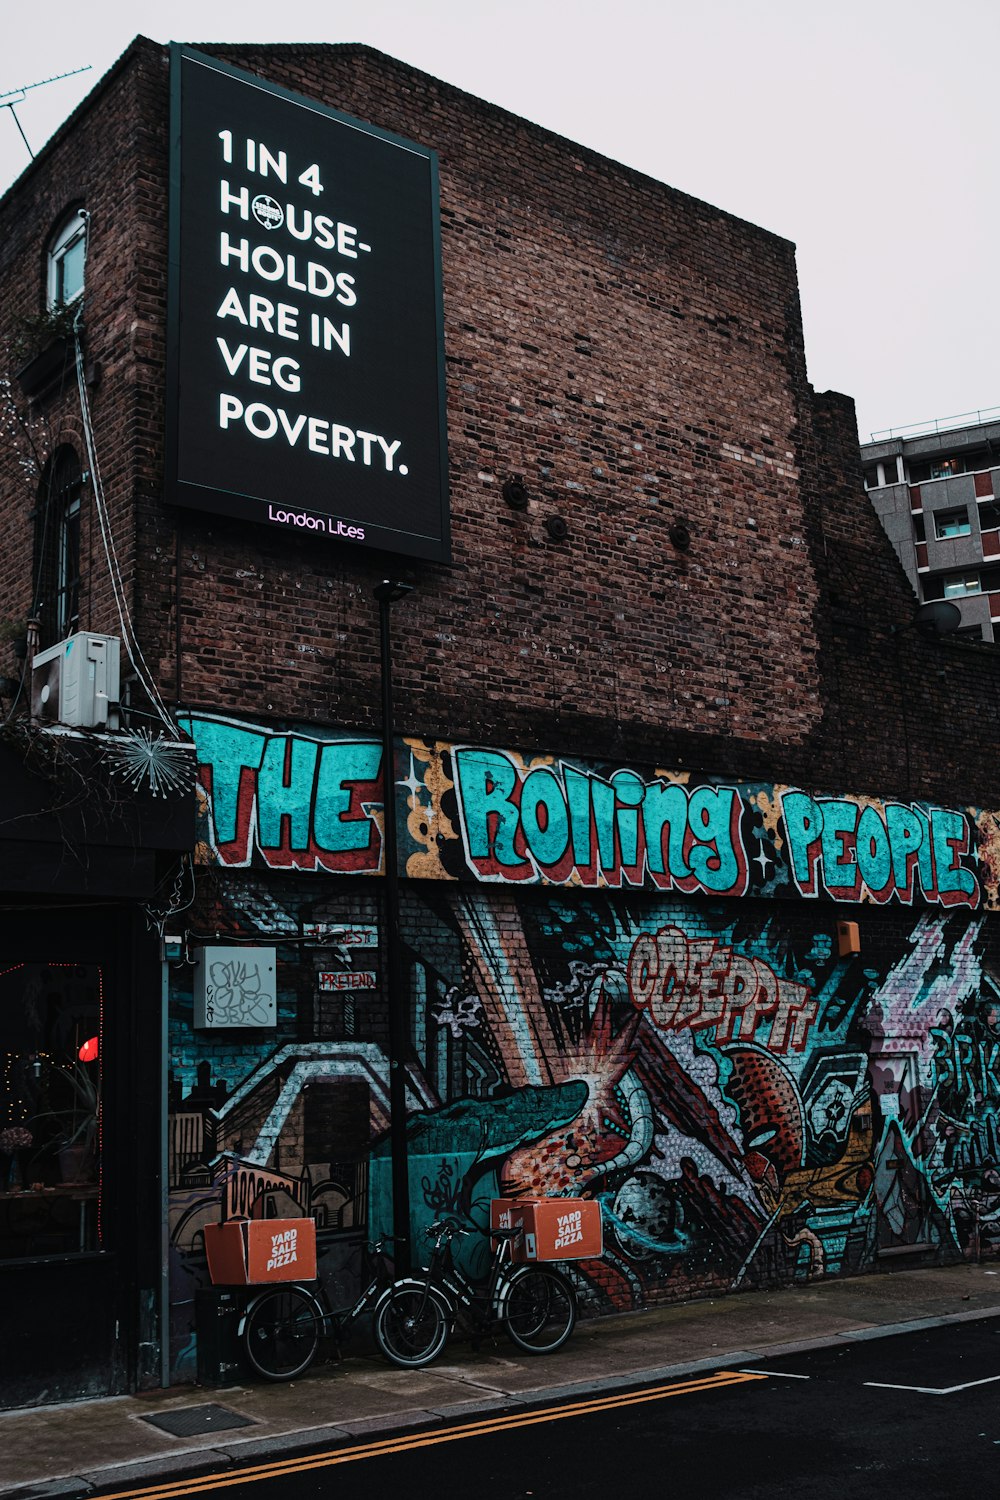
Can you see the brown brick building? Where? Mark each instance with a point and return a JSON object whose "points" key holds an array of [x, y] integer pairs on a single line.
{"points": [[658, 733]]}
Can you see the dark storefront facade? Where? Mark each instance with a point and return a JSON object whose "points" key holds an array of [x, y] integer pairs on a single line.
{"points": [[80, 1049]]}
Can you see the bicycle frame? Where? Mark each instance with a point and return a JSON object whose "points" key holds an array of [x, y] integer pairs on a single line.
{"points": [[482, 1301], [335, 1321]]}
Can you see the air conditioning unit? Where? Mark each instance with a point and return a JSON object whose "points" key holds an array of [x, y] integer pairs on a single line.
{"points": [[77, 682]]}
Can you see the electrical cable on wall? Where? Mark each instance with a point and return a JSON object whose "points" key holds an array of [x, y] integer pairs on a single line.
{"points": [[35, 466], [158, 917], [129, 638]]}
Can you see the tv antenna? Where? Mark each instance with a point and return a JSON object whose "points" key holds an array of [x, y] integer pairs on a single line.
{"points": [[16, 96]]}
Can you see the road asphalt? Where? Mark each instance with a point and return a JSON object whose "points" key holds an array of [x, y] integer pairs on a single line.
{"points": [[89, 1445]]}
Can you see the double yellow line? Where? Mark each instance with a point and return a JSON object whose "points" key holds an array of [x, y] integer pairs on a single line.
{"points": [[408, 1442]]}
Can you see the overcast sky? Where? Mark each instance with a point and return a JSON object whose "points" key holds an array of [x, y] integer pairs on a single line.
{"points": [[864, 130]]}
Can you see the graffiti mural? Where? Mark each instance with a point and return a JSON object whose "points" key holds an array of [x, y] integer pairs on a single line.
{"points": [[748, 1107], [286, 800], [623, 986], [757, 1109]]}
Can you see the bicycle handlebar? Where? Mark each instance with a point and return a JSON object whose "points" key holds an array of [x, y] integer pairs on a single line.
{"points": [[443, 1230], [385, 1239]]}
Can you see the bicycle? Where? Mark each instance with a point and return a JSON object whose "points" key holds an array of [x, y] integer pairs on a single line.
{"points": [[534, 1304], [280, 1326]]}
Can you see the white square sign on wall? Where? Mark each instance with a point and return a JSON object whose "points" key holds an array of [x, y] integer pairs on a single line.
{"points": [[235, 987]]}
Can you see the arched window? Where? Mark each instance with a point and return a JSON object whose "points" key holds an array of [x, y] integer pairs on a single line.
{"points": [[57, 546], [66, 261]]}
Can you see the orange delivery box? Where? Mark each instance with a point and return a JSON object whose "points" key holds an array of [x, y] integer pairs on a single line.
{"points": [[243, 1252], [551, 1228]]}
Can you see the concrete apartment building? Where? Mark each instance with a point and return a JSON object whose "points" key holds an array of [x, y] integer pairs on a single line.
{"points": [[937, 494]]}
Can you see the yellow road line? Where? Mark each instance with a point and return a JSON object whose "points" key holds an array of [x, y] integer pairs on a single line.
{"points": [[404, 1443]]}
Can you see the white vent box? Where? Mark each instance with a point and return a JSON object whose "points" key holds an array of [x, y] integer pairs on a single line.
{"points": [[78, 682], [235, 988]]}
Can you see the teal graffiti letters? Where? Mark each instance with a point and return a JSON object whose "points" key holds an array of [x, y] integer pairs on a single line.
{"points": [[486, 782], [854, 851], [560, 823], [286, 800]]}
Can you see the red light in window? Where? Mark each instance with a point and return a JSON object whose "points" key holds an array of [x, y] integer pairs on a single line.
{"points": [[88, 1052]]}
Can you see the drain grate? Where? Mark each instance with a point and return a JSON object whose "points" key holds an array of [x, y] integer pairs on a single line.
{"points": [[190, 1420]]}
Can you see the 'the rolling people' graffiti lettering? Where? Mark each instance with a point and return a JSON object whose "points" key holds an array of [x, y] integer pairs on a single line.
{"points": [[288, 800], [562, 823]]}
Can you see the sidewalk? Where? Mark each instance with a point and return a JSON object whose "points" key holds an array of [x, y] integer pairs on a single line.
{"points": [[72, 1449]]}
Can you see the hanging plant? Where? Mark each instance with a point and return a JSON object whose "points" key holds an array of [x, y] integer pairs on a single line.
{"points": [[38, 331]]}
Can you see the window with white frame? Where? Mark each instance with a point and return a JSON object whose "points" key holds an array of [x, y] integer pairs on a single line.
{"points": [[962, 583], [949, 523], [66, 261]]}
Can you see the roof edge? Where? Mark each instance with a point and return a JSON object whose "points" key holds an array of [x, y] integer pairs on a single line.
{"points": [[541, 131], [142, 44], [137, 45]]}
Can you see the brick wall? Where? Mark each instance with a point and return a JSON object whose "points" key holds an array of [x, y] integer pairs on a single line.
{"points": [[100, 164], [636, 356], [562, 273]]}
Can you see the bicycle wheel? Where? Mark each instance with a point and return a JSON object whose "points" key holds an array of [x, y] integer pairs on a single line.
{"points": [[538, 1309], [412, 1323], [281, 1332]]}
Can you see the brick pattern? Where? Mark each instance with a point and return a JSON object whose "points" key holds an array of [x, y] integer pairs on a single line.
{"points": [[636, 357], [552, 304]]}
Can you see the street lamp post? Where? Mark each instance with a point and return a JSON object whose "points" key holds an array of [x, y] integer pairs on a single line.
{"points": [[387, 593]]}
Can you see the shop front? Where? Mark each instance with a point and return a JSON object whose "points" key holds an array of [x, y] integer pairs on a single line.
{"points": [[79, 1065]]}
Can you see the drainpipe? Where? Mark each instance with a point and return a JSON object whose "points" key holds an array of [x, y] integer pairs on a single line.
{"points": [[387, 593]]}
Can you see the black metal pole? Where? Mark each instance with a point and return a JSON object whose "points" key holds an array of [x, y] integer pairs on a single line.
{"points": [[387, 593], [23, 136]]}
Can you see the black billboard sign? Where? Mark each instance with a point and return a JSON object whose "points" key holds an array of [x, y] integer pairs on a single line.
{"points": [[305, 352]]}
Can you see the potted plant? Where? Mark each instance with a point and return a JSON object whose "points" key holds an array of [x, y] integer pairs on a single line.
{"points": [[15, 634], [75, 1124]]}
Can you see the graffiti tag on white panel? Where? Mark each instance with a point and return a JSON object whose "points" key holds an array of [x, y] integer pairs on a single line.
{"points": [[235, 987]]}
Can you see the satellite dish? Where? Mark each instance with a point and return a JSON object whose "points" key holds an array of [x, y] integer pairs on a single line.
{"points": [[939, 617]]}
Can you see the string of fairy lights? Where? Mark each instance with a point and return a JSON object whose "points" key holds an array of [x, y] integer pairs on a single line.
{"points": [[15, 1105]]}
